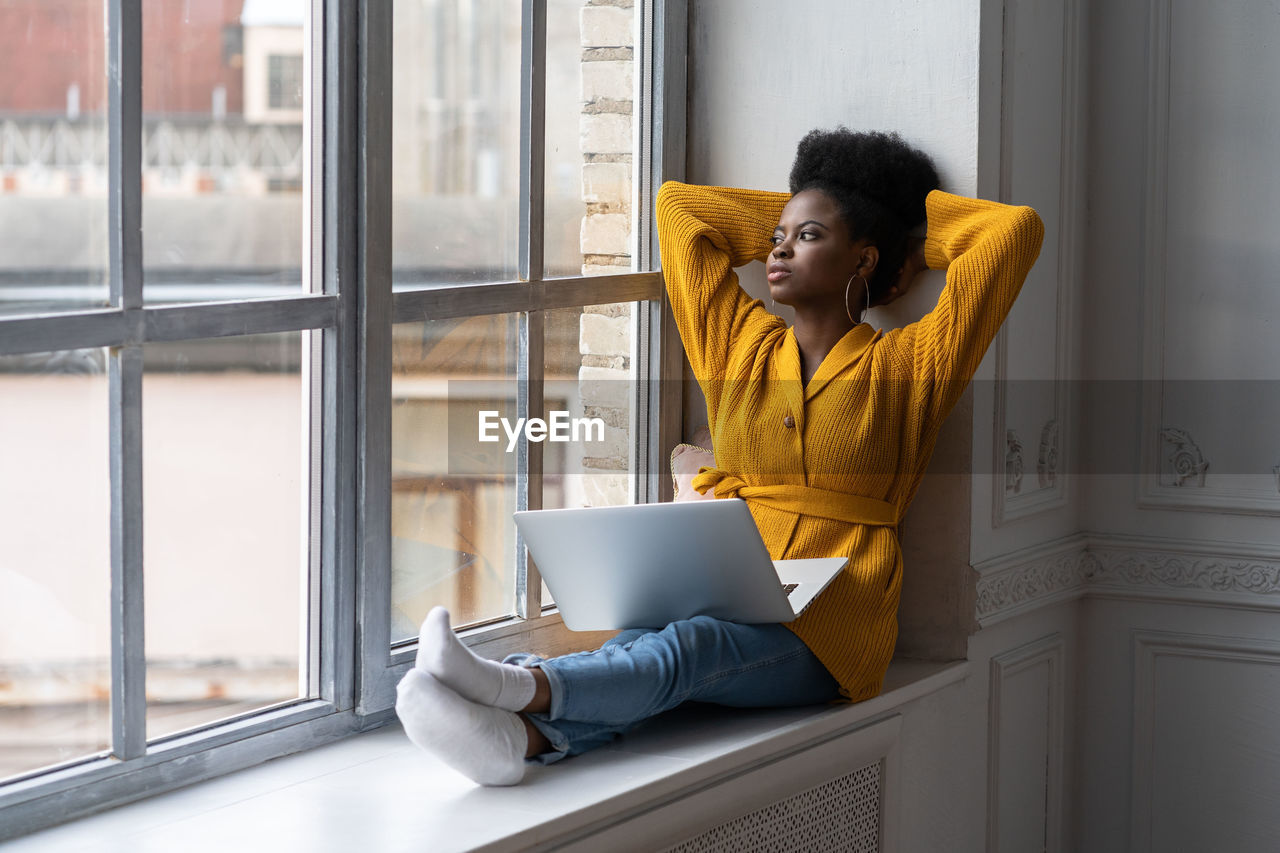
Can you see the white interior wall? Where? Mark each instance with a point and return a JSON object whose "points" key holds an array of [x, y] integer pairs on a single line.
{"points": [[1179, 632], [1025, 399], [1180, 277], [1157, 119], [944, 75], [763, 74]]}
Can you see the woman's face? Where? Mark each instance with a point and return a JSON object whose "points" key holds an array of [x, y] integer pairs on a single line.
{"points": [[813, 258]]}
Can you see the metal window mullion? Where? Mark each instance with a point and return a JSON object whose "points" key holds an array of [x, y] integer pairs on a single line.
{"points": [[533, 118], [507, 297], [366, 102], [124, 128], [530, 404], [667, 114], [643, 194], [225, 319], [646, 449], [320, 613], [109, 327], [530, 371], [49, 333], [128, 648]]}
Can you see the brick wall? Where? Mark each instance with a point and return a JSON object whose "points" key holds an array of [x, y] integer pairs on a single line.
{"points": [[607, 142], [48, 45]]}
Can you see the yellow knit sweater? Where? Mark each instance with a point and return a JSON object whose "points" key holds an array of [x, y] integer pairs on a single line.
{"points": [[828, 468]]}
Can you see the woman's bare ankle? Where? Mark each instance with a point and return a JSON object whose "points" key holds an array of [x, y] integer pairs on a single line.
{"points": [[538, 742], [541, 701]]}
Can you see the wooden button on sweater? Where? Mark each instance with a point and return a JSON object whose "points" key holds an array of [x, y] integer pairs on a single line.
{"points": [[788, 422]]}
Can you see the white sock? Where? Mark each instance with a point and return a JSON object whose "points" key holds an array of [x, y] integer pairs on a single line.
{"points": [[486, 745], [498, 685]]}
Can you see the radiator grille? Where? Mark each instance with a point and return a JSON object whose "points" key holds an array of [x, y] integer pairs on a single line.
{"points": [[836, 816]]}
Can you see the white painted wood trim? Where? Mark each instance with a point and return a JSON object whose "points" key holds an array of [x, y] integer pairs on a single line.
{"points": [[1154, 221], [1029, 579], [686, 812], [1047, 650], [1147, 647], [1168, 570], [1151, 493], [1037, 502], [1239, 575]]}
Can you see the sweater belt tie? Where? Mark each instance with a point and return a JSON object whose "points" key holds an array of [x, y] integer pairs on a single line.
{"points": [[801, 500]]}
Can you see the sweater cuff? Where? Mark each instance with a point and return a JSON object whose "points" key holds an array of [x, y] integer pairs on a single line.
{"points": [[945, 213], [935, 256]]}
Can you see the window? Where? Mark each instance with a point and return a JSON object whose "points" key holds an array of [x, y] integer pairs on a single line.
{"points": [[523, 169], [284, 82], [251, 357]]}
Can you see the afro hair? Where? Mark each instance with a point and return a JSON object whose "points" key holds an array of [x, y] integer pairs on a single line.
{"points": [[878, 181]]}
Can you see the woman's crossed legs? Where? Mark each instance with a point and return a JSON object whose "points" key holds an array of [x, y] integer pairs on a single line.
{"points": [[461, 707]]}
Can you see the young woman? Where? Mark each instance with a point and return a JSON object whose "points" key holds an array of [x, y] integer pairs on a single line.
{"points": [[824, 428]]}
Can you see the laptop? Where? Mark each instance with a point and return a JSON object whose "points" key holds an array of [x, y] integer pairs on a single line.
{"points": [[646, 565]]}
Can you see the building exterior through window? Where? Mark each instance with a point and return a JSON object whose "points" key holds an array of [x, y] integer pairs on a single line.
{"points": [[177, 504]]}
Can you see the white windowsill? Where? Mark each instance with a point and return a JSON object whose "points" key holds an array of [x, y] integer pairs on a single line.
{"points": [[377, 792]]}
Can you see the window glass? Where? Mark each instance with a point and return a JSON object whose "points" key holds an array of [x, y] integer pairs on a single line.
{"points": [[53, 157], [590, 138], [284, 82], [590, 377], [456, 141], [225, 491], [55, 563], [223, 137], [452, 495]]}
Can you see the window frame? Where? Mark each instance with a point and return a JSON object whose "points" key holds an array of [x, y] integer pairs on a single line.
{"points": [[660, 57], [348, 315]]}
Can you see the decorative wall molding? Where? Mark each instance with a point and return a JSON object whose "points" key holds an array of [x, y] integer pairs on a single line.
{"points": [[1012, 462], [1186, 460], [1148, 648], [1050, 494], [1158, 490], [1137, 569], [1047, 653], [1047, 461], [1156, 192], [1217, 574], [1030, 580]]}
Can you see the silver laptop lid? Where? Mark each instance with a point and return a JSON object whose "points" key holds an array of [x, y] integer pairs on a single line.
{"points": [[647, 565]]}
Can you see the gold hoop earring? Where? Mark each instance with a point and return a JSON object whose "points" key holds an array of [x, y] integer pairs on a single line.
{"points": [[865, 284]]}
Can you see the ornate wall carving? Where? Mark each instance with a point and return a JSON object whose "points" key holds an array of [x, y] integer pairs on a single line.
{"points": [[1027, 585], [1012, 462], [1181, 571], [1012, 589], [1188, 463], [1047, 462]]}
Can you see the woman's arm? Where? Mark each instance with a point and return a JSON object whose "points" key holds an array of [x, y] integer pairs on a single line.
{"points": [[703, 233], [987, 249]]}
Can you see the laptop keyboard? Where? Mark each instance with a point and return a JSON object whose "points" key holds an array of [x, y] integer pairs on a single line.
{"points": [[788, 588]]}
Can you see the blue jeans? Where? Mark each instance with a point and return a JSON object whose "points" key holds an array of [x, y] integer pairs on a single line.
{"points": [[638, 674]]}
